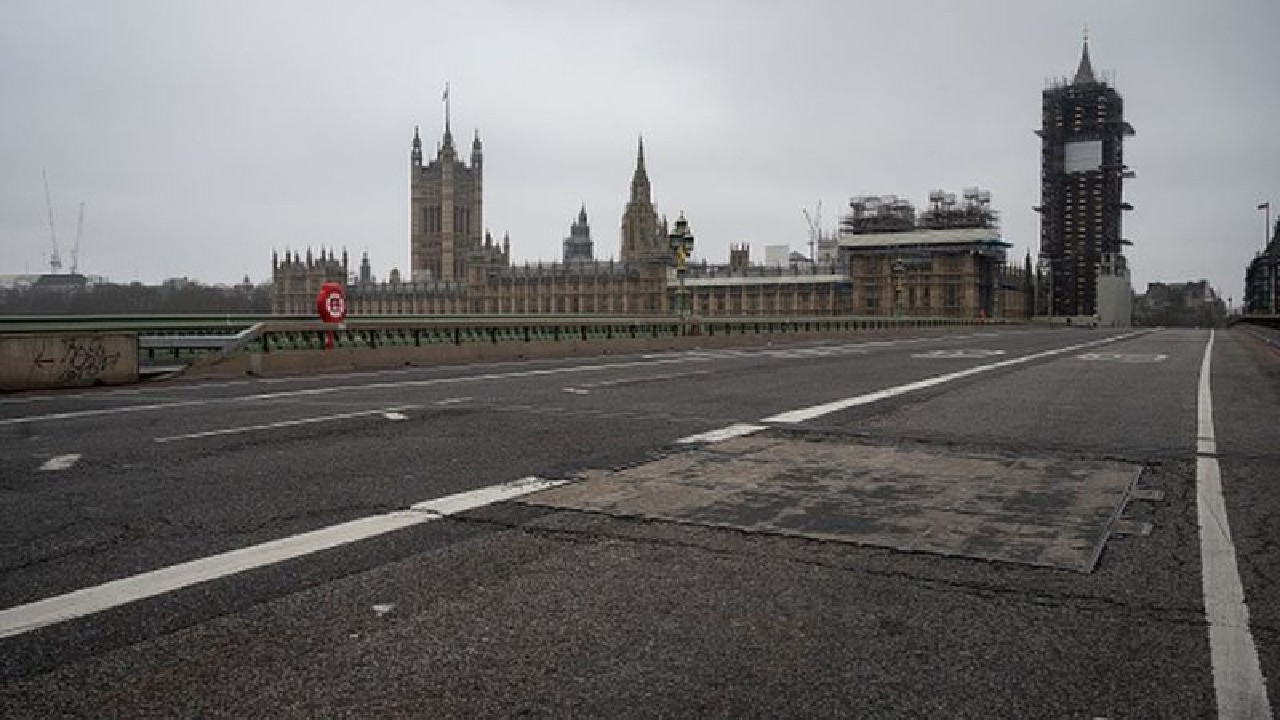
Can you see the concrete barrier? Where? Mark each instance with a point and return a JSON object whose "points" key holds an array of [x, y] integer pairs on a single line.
{"points": [[53, 360], [297, 362]]}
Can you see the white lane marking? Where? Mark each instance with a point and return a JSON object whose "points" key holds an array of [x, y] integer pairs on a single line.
{"points": [[722, 434], [330, 389], [24, 618], [1237, 676], [580, 388], [385, 412], [963, 353], [471, 499], [809, 413], [60, 462], [50, 611], [1125, 357], [452, 401]]}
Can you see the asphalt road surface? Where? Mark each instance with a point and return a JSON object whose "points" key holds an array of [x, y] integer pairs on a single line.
{"points": [[1001, 523]]}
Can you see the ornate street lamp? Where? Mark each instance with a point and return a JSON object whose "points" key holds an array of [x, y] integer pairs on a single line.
{"points": [[681, 242]]}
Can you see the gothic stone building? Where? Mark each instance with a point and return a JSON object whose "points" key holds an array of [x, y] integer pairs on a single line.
{"points": [[457, 267]]}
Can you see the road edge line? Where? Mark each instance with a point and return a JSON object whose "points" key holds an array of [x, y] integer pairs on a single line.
{"points": [[1239, 687]]}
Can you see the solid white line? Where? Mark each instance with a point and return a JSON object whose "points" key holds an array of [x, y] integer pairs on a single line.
{"points": [[722, 434], [291, 423], [60, 462], [25, 618], [809, 413], [453, 504], [1237, 675]]}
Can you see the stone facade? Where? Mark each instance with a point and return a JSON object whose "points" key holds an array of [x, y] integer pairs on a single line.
{"points": [[578, 247], [960, 273], [643, 238], [297, 280], [446, 211]]}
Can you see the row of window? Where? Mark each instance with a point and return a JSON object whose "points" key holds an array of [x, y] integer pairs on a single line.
{"points": [[433, 219]]}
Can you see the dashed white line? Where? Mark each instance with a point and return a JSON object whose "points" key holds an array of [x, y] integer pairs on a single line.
{"points": [[391, 413], [809, 413], [1237, 676], [25, 618], [60, 462], [452, 401], [331, 389]]}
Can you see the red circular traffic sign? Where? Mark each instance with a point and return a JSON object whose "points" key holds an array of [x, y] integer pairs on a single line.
{"points": [[331, 303]]}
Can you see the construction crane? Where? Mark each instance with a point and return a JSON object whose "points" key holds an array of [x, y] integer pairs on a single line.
{"points": [[75, 249], [815, 229], [55, 262]]}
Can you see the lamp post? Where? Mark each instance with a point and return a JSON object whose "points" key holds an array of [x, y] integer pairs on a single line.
{"points": [[1269, 254], [681, 242]]}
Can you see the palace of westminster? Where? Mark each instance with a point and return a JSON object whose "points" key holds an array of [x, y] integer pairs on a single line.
{"points": [[887, 259]]}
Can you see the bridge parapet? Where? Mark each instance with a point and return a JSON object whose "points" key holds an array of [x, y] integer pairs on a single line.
{"points": [[262, 344]]}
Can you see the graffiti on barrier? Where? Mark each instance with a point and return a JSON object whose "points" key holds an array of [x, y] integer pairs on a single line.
{"points": [[80, 360]]}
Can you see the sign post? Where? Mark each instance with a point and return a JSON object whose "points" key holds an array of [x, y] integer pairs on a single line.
{"points": [[331, 304]]}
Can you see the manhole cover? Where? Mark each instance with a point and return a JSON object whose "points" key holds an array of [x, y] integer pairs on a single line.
{"points": [[1036, 511]]}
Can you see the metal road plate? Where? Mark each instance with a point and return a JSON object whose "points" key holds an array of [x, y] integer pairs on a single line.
{"points": [[1035, 511]]}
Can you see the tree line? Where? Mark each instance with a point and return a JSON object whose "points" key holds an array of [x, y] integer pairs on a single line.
{"points": [[174, 297]]}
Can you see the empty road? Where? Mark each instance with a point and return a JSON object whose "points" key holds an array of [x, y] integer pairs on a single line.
{"points": [[1007, 522]]}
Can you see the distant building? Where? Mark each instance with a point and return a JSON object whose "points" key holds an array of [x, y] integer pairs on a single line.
{"points": [[1082, 203], [458, 269], [446, 212], [950, 261], [60, 283], [777, 255], [578, 247], [1191, 304], [1262, 279], [296, 280]]}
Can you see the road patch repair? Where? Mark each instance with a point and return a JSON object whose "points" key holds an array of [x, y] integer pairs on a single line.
{"points": [[1050, 512]]}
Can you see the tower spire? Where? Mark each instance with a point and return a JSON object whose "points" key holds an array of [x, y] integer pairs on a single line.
{"points": [[445, 98], [1084, 73], [640, 181]]}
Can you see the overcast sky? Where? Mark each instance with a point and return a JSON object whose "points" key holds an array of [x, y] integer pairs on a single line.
{"points": [[203, 135]]}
